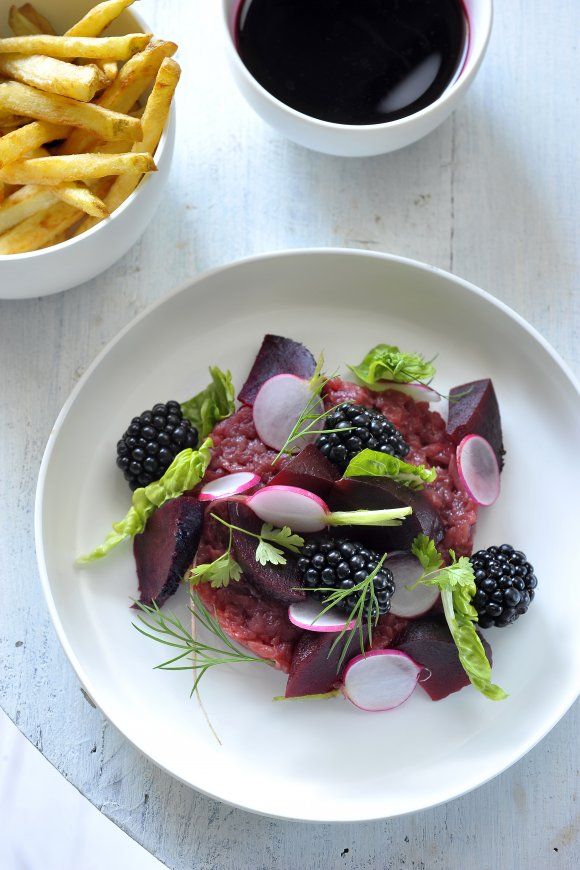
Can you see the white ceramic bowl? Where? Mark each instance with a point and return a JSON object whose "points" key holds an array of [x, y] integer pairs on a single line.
{"points": [[289, 759], [77, 260], [347, 140]]}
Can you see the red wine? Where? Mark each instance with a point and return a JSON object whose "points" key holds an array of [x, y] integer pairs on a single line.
{"points": [[353, 61]]}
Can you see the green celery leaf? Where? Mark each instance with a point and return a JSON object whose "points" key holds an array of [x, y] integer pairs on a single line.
{"points": [[427, 554], [284, 537], [185, 472], [268, 553], [385, 362], [373, 463], [213, 404]]}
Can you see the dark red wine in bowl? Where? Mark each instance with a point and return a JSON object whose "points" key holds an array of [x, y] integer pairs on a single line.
{"points": [[356, 77]]}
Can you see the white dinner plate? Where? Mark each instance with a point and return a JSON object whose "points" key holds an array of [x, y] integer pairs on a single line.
{"points": [[318, 760]]}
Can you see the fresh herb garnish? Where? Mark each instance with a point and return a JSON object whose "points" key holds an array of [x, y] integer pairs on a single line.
{"points": [[365, 610], [385, 362], [219, 572], [213, 404], [266, 552], [185, 472], [373, 463], [456, 583], [168, 629]]}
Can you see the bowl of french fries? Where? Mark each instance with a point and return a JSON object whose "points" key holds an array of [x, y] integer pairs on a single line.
{"points": [[87, 130]]}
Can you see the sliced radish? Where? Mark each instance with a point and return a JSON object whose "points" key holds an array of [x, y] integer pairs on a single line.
{"points": [[303, 511], [230, 484], [478, 469], [417, 391], [305, 613], [380, 680], [410, 603], [278, 406]]}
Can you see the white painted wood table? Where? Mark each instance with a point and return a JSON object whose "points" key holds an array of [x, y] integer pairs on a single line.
{"points": [[493, 196]]}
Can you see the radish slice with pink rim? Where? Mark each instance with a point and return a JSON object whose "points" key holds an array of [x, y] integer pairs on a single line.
{"points": [[380, 680], [409, 603], [277, 408], [478, 470], [303, 511], [230, 484], [306, 615], [417, 391]]}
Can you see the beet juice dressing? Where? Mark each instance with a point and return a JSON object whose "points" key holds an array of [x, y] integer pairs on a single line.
{"points": [[353, 61]]}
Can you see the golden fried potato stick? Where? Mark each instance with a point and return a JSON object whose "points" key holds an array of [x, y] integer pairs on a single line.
{"points": [[46, 225], [37, 20], [98, 18], [133, 79], [104, 123], [26, 21], [109, 70], [23, 203], [106, 48], [20, 142], [79, 196], [54, 76], [153, 121], [74, 167]]}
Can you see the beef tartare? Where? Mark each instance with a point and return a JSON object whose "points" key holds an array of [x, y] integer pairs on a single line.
{"points": [[325, 526]]}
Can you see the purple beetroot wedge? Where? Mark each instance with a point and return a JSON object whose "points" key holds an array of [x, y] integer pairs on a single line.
{"points": [[277, 356], [429, 643], [279, 582], [167, 547], [378, 493], [474, 410], [308, 470], [313, 671]]}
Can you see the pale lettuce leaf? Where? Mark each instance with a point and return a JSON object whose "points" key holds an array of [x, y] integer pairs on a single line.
{"points": [[373, 463], [215, 403]]}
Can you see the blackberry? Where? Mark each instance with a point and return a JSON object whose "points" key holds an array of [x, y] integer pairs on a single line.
{"points": [[332, 563], [152, 441], [364, 428], [505, 583]]}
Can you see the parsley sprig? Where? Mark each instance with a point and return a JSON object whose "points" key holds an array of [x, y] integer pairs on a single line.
{"points": [[270, 549]]}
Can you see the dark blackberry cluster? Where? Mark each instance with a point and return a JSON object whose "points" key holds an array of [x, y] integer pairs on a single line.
{"points": [[332, 563], [363, 429], [505, 583], [152, 441]]}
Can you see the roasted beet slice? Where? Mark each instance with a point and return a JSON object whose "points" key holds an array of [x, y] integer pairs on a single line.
{"points": [[167, 547], [377, 493], [474, 410], [277, 356], [274, 581], [309, 470], [313, 671], [429, 643]]}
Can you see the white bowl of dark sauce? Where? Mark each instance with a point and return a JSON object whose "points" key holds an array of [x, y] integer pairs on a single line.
{"points": [[355, 78]]}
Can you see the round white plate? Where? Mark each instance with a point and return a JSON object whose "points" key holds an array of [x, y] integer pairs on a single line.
{"points": [[318, 760]]}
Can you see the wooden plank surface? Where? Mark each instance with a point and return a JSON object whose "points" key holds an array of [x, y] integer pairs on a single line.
{"points": [[493, 196]]}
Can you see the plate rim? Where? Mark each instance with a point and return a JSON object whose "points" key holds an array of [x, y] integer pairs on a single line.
{"points": [[85, 679]]}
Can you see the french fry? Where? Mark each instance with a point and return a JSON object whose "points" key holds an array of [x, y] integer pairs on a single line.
{"points": [[37, 20], [23, 203], [26, 21], [104, 123], [79, 196], [20, 142], [133, 79], [153, 121], [109, 70], [41, 228], [106, 48], [73, 167], [98, 18], [54, 76], [2, 192]]}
